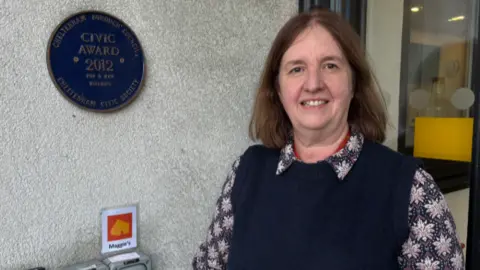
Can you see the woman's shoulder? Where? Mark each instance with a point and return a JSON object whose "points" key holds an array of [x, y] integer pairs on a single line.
{"points": [[255, 157], [256, 151], [383, 152], [381, 159]]}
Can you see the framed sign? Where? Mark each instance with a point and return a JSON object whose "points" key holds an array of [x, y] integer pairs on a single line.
{"points": [[96, 61]]}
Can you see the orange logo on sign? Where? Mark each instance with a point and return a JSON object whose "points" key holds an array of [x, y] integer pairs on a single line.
{"points": [[119, 227]]}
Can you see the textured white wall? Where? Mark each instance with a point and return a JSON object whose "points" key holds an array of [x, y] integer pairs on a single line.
{"points": [[169, 151]]}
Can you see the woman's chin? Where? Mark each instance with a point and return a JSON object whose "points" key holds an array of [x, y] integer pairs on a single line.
{"points": [[313, 126]]}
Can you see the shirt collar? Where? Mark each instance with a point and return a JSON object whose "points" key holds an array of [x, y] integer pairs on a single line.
{"points": [[341, 162]]}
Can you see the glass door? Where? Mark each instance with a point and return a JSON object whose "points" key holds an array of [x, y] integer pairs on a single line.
{"points": [[436, 120], [439, 106]]}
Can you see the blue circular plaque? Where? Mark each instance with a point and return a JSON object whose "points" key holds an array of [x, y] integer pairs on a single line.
{"points": [[96, 61]]}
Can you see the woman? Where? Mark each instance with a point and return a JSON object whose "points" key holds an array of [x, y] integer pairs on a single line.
{"points": [[322, 192]]}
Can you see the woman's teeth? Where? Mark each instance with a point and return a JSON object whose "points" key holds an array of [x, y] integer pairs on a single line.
{"points": [[314, 102]]}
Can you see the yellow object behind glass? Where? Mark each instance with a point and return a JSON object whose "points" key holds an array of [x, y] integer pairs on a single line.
{"points": [[443, 138]]}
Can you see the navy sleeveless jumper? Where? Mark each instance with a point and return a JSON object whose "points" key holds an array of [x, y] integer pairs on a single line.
{"points": [[306, 218]]}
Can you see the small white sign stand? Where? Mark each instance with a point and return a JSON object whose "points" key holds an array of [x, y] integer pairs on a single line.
{"points": [[119, 229]]}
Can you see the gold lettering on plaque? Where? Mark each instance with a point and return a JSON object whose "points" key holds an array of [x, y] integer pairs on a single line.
{"points": [[129, 36], [109, 103], [69, 91], [98, 50], [99, 44], [57, 40], [97, 37], [130, 90], [107, 20]]}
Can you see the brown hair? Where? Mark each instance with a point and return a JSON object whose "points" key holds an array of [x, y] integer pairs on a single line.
{"points": [[367, 114]]}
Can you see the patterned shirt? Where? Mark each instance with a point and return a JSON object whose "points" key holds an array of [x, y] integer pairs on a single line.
{"points": [[432, 242]]}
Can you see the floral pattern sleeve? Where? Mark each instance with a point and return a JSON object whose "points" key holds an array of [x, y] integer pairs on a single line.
{"points": [[433, 242], [213, 252]]}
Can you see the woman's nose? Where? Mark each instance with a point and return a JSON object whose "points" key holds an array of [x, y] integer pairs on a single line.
{"points": [[314, 81]]}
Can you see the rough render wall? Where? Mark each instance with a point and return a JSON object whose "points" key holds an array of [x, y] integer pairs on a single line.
{"points": [[169, 151]]}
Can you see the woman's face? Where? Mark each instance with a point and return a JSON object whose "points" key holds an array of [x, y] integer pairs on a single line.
{"points": [[315, 82]]}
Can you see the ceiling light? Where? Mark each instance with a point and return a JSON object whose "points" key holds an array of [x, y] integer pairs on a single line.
{"points": [[415, 9], [458, 18]]}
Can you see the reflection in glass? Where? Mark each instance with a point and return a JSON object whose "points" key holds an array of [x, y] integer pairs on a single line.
{"points": [[435, 91], [438, 60]]}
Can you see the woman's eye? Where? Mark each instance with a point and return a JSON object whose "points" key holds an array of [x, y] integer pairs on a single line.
{"points": [[331, 66], [296, 70]]}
